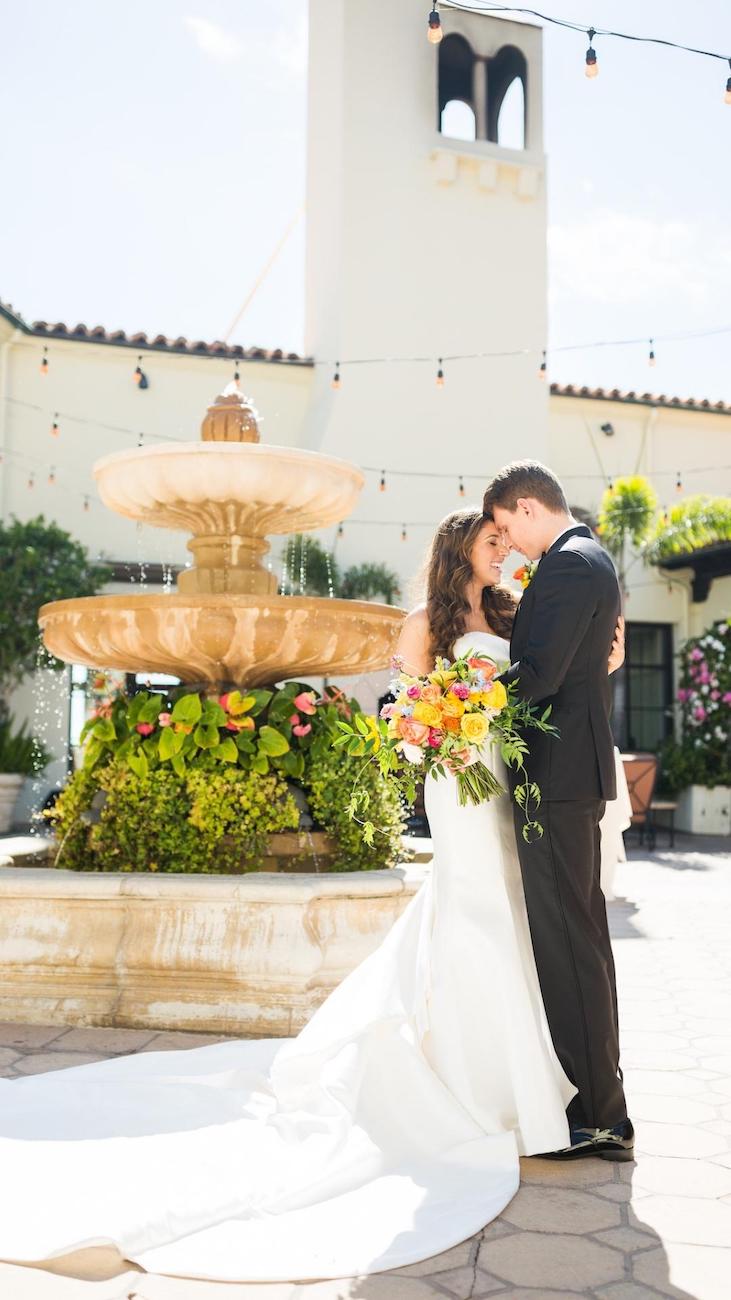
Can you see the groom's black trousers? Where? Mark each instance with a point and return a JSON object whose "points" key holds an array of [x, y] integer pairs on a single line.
{"points": [[568, 923]]}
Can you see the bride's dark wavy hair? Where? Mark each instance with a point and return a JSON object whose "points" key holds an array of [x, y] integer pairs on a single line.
{"points": [[448, 570]]}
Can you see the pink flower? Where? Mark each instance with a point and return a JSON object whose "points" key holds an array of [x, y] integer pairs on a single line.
{"points": [[223, 700], [727, 697], [303, 731], [415, 733], [696, 653], [388, 710], [305, 702], [435, 739], [165, 719], [699, 713], [431, 693], [145, 728], [240, 724], [295, 720], [414, 692], [715, 695], [684, 694], [461, 691]]}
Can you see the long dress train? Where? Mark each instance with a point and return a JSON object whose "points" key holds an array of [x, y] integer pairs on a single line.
{"points": [[386, 1132]]}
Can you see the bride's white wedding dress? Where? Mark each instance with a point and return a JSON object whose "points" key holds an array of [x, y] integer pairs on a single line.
{"points": [[388, 1131]]}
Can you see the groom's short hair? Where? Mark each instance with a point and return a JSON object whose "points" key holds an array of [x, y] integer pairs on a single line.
{"points": [[525, 478]]}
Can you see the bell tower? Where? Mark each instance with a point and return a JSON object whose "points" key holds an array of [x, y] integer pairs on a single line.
{"points": [[426, 237]]}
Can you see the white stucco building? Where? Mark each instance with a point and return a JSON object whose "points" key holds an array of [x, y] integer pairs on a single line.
{"points": [[390, 195]]}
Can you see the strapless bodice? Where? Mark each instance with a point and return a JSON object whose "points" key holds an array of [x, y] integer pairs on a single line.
{"points": [[484, 643]]}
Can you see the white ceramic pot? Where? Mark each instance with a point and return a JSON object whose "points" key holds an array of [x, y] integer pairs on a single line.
{"points": [[10, 785], [705, 812]]}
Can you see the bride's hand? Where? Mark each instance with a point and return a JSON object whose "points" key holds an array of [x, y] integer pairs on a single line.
{"points": [[616, 654]]}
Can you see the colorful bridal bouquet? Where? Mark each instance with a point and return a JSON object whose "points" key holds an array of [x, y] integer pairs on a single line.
{"points": [[443, 723]]}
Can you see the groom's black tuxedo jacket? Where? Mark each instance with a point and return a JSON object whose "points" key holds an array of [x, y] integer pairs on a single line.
{"points": [[560, 646]]}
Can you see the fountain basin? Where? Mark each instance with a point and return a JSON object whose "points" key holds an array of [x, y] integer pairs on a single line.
{"points": [[219, 639], [225, 489]]}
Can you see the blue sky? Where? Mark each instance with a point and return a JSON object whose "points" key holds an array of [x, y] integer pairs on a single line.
{"points": [[153, 153]]}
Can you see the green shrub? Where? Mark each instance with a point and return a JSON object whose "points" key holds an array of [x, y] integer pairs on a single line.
{"points": [[689, 526], [20, 752], [202, 822], [183, 783]]}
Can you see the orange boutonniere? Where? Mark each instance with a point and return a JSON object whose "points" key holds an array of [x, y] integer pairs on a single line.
{"points": [[525, 574]]}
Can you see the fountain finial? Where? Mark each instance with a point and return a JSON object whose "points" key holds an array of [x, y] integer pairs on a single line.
{"points": [[232, 417]]}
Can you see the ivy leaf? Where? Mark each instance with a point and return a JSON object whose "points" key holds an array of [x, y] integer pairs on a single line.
{"points": [[151, 709], [226, 752], [260, 763], [206, 737], [104, 730], [166, 744], [179, 765], [138, 763]]}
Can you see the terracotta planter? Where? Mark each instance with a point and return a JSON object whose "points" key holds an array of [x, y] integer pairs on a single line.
{"points": [[10, 786]]}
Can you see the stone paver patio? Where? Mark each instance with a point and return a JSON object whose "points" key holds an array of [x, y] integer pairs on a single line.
{"points": [[660, 1227]]}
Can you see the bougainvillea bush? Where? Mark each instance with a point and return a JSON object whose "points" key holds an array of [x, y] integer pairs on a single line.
{"points": [[703, 754], [182, 782]]}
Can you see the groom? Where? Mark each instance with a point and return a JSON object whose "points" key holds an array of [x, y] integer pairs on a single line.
{"points": [[559, 650]]}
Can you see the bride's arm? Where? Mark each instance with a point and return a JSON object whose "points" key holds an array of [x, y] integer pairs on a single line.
{"points": [[616, 654], [413, 643]]}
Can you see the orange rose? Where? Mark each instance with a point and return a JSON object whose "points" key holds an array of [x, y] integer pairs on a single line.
{"points": [[415, 733], [431, 694], [452, 724]]}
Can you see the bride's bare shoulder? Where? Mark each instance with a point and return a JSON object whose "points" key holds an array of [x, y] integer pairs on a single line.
{"points": [[413, 643]]}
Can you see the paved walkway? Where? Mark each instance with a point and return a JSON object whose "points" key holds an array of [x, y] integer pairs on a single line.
{"points": [[660, 1227]]}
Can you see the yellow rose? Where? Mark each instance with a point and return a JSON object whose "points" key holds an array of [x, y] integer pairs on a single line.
{"points": [[427, 713], [497, 696], [452, 706], [474, 728]]}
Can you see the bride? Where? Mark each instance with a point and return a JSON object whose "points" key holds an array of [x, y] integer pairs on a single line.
{"points": [[390, 1129]]}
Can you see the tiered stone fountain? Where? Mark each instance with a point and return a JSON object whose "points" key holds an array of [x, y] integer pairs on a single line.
{"points": [[225, 625], [251, 954]]}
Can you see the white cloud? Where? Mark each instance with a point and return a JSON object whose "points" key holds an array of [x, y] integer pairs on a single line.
{"points": [[215, 41], [616, 258]]}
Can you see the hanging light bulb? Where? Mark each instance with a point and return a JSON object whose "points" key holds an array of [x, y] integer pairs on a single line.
{"points": [[592, 67], [727, 96], [440, 375], [336, 377], [382, 484], [237, 376], [461, 486], [140, 439], [610, 485], [139, 376], [434, 30], [44, 362], [679, 483], [86, 503], [543, 368], [54, 426], [341, 530], [651, 357], [51, 476], [31, 480], [403, 533]]}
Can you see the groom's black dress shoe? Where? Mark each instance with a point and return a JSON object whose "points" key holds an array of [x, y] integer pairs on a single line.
{"points": [[615, 1143]]}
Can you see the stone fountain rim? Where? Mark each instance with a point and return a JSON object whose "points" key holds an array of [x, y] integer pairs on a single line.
{"points": [[255, 449], [217, 600]]}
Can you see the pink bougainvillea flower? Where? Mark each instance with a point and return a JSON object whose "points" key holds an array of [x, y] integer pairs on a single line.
{"points": [[145, 728], [303, 730], [305, 702], [696, 653], [165, 719], [727, 697], [683, 694], [699, 713]]}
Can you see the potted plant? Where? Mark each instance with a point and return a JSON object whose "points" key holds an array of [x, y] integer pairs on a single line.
{"points": [[39, 562], [21, 755], [697, 768]]}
